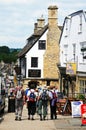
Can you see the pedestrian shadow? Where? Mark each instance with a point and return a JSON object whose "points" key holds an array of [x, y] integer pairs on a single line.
{"points": [[1, 119], [35, 119]]}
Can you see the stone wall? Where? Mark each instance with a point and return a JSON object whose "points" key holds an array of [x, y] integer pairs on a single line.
{"points": [[51, 56]]}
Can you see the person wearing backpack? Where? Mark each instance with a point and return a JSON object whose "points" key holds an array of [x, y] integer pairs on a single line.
{"points": [[31, 103], [53, 100], [19, 102], [43, 104]]}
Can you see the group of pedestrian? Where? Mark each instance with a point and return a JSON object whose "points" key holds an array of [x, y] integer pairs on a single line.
{"points": [[37, 101]]}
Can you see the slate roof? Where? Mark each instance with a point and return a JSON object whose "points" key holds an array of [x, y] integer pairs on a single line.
{"points": [[32, 40]]}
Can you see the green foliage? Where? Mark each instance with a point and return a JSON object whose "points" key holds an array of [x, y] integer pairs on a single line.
{"points": [[81, 97], [8, 56], [4, 49]]}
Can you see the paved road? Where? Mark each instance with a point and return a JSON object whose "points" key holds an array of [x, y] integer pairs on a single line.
{"points": [[62, 123]]}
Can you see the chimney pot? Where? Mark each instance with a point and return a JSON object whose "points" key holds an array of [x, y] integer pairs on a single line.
{"points": [[41, 22]]}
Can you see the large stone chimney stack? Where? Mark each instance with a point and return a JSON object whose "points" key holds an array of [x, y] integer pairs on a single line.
{"points": [[51, 56], [52, 16]]}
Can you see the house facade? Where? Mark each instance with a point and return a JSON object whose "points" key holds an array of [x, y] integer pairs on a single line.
{"points": [[39, 58], [72, 64]]}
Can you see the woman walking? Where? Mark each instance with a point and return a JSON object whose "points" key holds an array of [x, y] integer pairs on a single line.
{"points": [[31, 104]]}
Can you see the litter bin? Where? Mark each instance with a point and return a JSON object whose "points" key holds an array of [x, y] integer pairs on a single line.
{"points": [[11, 104]]}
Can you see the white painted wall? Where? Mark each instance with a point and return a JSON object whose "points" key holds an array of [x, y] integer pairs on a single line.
{"points": [[73, 36], [35, 52]]}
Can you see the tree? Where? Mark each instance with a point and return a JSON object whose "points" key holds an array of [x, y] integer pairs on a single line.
{"points": [[4, 49], [8, 55]]}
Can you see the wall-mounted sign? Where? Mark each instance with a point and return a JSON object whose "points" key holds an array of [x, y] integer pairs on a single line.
{"points": [[34, 73], [71, 68]]}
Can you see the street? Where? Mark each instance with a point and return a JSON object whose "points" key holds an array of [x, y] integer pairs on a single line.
{"points": [[62, 122]]}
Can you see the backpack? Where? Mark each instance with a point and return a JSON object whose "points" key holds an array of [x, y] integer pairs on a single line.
{"points": [[19, 94], [32, 97], [54, 95], [53, 102], [44, 96]]}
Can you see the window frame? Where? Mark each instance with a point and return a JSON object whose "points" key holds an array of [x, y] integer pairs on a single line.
{"points": [[80, 23], [83, 86], [34, 61], [65, 52], [42, 44]]}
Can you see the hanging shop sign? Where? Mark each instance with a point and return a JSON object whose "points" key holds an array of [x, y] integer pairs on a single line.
{"points": [[76, 108], [71, 68], [83, 114]]}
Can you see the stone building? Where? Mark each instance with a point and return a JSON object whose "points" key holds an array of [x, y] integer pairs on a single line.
{"points": [[39, 58]]}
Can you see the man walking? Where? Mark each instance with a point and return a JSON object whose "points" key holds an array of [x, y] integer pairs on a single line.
{"points": [[19, 102], [53, 100], [43, 104]]}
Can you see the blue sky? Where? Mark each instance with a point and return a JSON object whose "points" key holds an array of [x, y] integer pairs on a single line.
{"points": [[17, 17]]}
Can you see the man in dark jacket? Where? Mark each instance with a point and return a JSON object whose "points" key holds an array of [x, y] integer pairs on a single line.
{"points": [[53, 100]]}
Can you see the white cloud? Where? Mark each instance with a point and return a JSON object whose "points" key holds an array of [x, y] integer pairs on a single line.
{"points": [[16, 42], [17, 1], [17, 17]]}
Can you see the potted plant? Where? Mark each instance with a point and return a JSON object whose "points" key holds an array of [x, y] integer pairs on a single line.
{"points": [[81, 97]]}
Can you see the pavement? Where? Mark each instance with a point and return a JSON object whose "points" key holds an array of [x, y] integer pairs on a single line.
{"points": [[62, 123]]}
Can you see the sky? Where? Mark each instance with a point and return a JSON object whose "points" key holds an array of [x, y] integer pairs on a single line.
{"points": [[17, 17]]}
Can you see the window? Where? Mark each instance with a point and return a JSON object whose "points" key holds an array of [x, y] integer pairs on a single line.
{"points": [[42, 44], [83, 46], [34, 61], [66, 24], [83, 86], [74, 51], [80, 23], [65, 51]]}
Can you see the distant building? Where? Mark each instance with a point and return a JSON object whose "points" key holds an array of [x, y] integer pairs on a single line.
{"points": [[39, 58], [72, 64]]}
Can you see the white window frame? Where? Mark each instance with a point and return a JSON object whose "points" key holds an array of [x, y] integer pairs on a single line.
{"points": [[74, 51], [83, 86], [66, 29], [65, 52], [82, 45], [80, 23]]}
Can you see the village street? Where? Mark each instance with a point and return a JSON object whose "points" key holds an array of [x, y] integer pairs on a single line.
{"points": [[62, 123]]}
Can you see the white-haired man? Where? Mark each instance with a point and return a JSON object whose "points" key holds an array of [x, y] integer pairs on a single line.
{"points": [[19, 102]]}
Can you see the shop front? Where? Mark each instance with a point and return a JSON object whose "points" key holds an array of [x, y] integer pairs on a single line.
{"points": [[67, 81]]}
